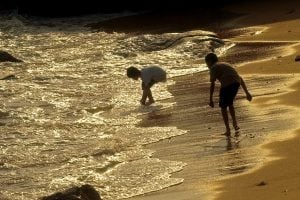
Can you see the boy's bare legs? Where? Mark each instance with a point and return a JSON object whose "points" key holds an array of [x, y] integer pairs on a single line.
{"points": [[147, 94], [150, 97], [232, 113], [225, 119]]}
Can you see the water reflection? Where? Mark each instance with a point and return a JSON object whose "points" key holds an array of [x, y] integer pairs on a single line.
{"points": [[233, 145], [236, 157]]}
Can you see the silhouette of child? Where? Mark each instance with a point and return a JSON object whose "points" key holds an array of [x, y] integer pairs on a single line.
{"points": [[230, 82], [149, 75]]}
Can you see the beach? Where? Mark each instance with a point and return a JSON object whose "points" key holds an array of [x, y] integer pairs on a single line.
{"points": [[261, 162], [70, 116], [278, 177]]}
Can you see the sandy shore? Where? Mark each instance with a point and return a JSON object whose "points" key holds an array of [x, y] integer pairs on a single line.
{"points": [[278, 177], [261, 162]]}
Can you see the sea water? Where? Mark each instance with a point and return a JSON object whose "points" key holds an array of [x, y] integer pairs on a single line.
{"points": [[70, 116]]}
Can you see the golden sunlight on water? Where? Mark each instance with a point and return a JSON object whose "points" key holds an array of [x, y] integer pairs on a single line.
{"points": [[70, 115]]}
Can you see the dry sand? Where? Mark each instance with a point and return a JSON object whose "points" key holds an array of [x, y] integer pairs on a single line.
{"points": [[260, 163]]}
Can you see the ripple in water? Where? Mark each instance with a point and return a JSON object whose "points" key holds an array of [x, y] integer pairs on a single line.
{"points": [[71, 116]]}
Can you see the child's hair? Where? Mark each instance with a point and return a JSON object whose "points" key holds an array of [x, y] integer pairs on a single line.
{"points": [[211, 57], [133, 72]]}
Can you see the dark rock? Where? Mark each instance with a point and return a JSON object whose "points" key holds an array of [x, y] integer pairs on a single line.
{"points": [[88, 192], [297, 58], [262, 183], [85, 192], [6, 57], [9, 77]]}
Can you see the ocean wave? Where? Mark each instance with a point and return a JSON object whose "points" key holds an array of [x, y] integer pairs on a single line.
{"points": [[73, 115]]}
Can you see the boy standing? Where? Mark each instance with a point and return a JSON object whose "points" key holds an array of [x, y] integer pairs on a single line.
{"points": [[230, 82], [149, 76]]}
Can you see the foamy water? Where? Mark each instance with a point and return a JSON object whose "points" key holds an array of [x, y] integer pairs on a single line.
{"points": [[71, 116]]}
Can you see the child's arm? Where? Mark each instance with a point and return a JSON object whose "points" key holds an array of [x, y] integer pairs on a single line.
{"points": [[211, 93], [248, 95]]}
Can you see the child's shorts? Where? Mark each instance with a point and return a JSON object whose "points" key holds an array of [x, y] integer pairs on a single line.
{"points": [[152, 82], [227, 94]]}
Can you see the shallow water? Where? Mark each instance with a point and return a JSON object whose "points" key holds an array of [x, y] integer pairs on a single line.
{"points": [[70, 115]]}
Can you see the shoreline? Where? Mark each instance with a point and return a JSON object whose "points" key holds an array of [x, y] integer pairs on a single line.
{"points": [[191, 96], [278, 177], [273, 77]]}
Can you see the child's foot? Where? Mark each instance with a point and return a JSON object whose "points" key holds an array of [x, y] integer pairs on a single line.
{"points": [[236, 127], [142, 102], [151, 101], [227, 133], [237, 134], [237, 131]]}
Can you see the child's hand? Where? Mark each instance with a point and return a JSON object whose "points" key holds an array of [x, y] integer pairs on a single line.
{"points": [[248, 96], [211, 104]]}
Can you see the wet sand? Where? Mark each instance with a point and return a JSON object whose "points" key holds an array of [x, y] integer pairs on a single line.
{"points": [[261, 161], [278, 176]]}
